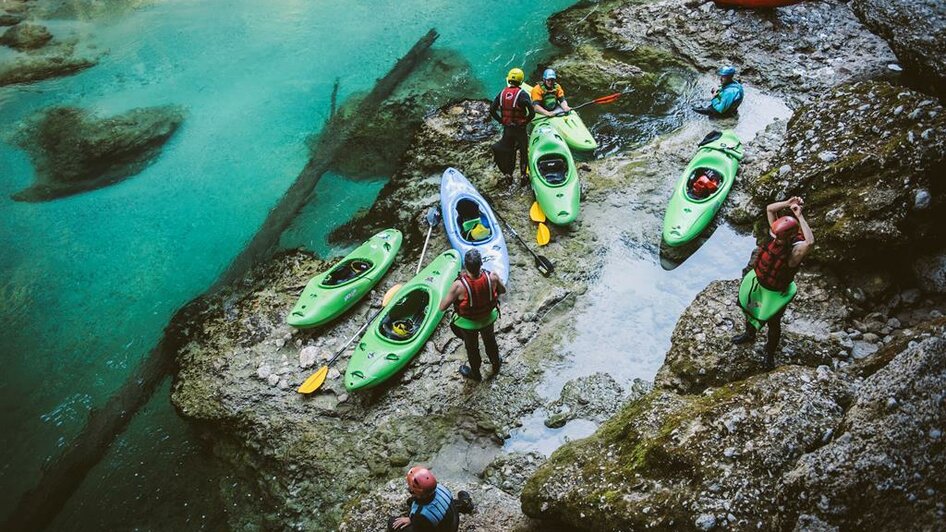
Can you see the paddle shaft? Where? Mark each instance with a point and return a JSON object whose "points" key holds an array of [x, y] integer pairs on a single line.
{"points": [[353, 338], [515, 234]]}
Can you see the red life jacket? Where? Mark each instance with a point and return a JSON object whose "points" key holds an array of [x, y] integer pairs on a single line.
{"points": [[772, 267], [481, 296], [513, 113]]}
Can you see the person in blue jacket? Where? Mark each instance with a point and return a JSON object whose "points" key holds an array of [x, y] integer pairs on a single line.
{"points": [[726, 98], [433, 507]]}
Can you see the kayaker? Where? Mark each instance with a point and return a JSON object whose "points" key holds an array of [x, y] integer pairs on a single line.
{"points": [[475, 296], [433, 507], [548, 97], [512, 108], [726, 98], [776, 262]]}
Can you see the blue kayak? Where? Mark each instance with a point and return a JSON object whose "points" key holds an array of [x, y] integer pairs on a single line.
{"points": [[471, 224]]}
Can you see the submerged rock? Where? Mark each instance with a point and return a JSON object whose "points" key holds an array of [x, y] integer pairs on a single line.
{"points": [[888, 143], [75, 152], [884, 465], [26, 36], [509, 472], [29, 68], [916, 30], [672, 461], [594, 397]]}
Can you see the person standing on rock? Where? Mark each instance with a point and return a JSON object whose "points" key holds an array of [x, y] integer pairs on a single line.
{"points": [[548, 97], [775, 264], [726, 98], [475, 296], [512, 108], [433, 508]]}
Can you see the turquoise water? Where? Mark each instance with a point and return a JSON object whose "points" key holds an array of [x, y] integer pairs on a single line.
{"points": [[88, 282]]}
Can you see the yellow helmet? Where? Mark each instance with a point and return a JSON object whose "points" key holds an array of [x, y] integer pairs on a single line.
{"points": [[516, 75]]}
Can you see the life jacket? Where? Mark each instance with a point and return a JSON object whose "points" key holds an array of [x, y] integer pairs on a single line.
{"points": [[704, 187], [513, 113], [549, 97], [772, 267], [481, 296], [437, 509]]}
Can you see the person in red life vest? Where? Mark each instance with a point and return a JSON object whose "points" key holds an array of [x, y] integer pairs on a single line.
{"points": [[433, 507], [475, 296], [512, 108], [776, 262]]}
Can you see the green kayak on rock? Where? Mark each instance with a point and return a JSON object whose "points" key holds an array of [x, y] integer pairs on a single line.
{"points": [[692, 209], [570, 126], [760, 304], [329, 294], [402, 328], [553, 175]]}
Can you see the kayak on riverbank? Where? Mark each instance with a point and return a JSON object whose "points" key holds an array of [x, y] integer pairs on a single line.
{"points": [[470, 223], [329, 294], [402, 328], [553, 175]]}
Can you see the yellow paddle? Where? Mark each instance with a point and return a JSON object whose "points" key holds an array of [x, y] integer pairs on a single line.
{"points": [[536, 212], [542, 236], [315, 381]]}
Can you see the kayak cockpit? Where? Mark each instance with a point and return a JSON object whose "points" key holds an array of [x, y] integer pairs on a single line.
{"points": [[406, 316], [553, 168], [346, 272], [472, 223], [703, 184]]}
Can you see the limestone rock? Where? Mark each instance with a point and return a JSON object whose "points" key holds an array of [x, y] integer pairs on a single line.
{"points": [[702, 354], [28, 68], [890, 142], [594, 397], [885, 464], [930, 272], [668, 461], [74, 151], [509, 472], [915, 30], [26, 36]]}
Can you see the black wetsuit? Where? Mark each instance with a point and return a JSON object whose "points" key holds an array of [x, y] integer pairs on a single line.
{"points": [[515, 138]]}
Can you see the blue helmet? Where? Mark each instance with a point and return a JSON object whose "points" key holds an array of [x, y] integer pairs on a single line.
{"points": [[549, 74], [727, 71]]}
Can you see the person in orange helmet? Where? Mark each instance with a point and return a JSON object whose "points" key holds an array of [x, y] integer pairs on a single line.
{"points": [[433, 507], [776, 262]]}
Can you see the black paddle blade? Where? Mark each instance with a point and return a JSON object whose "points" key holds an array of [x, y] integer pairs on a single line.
{"points": [[544, 265]]}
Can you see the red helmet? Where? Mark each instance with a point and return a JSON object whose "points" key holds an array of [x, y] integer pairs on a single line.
{"points": [[420, 479], [785, 227]]}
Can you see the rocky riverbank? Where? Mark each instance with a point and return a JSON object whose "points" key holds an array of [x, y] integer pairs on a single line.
{"points": [[846, 431]]}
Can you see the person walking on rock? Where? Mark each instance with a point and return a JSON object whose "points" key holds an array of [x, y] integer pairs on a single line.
{"points": [[475, 296], [548, 97], [512, 108], [433, 507], [726, 98], [774, 265]]}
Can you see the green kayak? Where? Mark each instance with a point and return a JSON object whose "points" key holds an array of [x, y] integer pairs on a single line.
{"points": [[553, 175], [759, 304], [402, 328], [690, 212], [331, 293], [569, 126]]}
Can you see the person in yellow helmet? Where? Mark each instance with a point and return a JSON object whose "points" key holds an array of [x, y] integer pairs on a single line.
{"points": [[512, 108], [548, 97]]}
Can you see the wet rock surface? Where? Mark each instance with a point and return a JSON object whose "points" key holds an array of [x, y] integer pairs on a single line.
{"points": [[916, 31], [868, 159], [74, 151], [595, 398], [28, 68]]}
